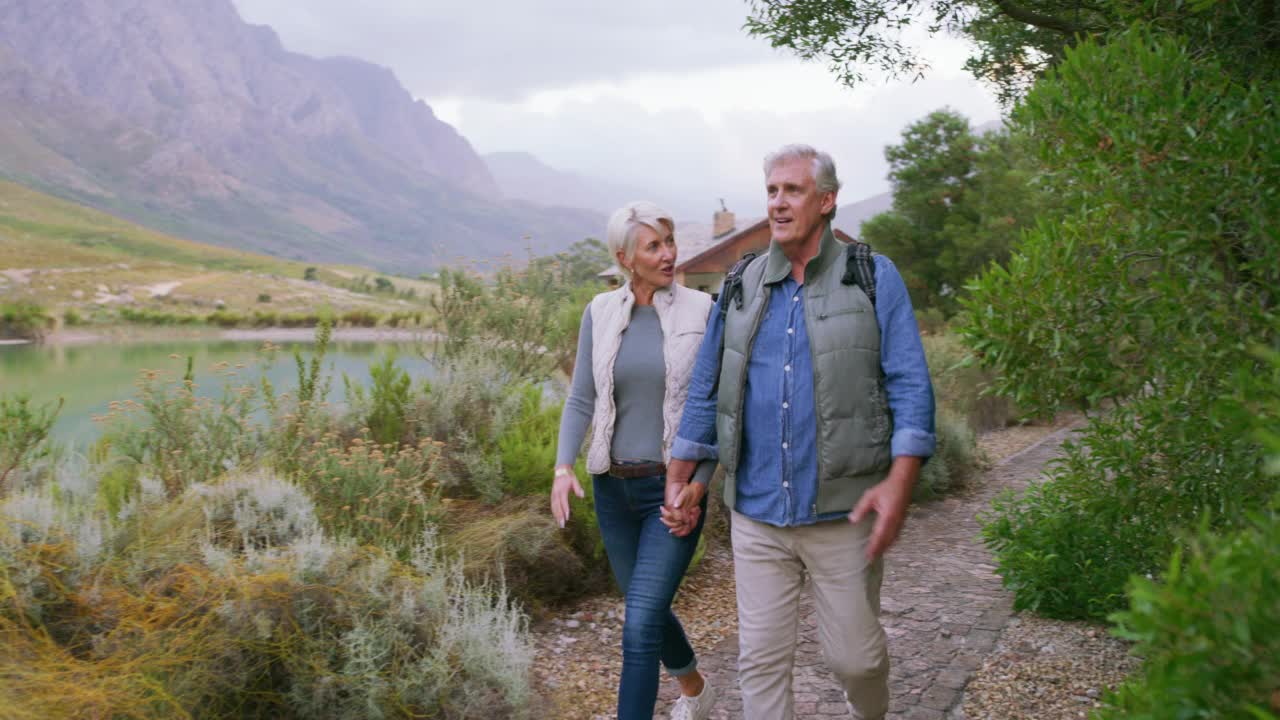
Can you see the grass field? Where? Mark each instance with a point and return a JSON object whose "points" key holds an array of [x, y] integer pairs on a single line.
{"points": [[64, 256]]}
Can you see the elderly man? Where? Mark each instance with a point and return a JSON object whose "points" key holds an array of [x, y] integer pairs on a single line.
{"points": [[816, 397]]}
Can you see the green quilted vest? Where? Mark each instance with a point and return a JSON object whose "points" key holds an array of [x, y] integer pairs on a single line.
{"points": [[852, 411]]}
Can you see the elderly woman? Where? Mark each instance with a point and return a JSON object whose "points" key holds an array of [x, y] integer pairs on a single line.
{"points": [[636, 351]]}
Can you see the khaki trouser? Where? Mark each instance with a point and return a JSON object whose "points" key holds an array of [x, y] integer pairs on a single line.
{"points": [[770, 564]]}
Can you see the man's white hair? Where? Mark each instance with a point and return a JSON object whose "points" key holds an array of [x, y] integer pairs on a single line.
{"points": [[824, 168], [620, 235]]}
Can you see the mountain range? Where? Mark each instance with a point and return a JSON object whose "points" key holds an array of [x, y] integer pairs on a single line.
{"points": [[179, 115]]}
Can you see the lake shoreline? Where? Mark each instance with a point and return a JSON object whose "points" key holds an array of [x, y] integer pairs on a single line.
{"points": [[117, 334]]}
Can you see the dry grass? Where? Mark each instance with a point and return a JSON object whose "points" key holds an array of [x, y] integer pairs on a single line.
{"points": [[60, 255], [229, 602]]}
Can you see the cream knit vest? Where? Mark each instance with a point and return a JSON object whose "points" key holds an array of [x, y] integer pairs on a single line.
{"points": [[682, 315]]}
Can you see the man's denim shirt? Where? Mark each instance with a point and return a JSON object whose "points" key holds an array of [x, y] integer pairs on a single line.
{"points": [[777, 480]]}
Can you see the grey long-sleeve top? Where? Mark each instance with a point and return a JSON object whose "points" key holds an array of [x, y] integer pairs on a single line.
{"points": [[639, 386]]}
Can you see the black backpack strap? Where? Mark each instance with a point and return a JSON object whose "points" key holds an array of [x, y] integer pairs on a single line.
{"points": [[860, 269], [731, 291]]}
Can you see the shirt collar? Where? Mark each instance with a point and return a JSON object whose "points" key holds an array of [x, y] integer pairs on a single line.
{"points": [[778, 265]]}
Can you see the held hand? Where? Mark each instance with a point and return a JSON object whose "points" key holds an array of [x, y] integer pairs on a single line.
{"points": [[888, 500], [691, 496], [689, 501], [565, 481], [671, 517], [679, 513]]}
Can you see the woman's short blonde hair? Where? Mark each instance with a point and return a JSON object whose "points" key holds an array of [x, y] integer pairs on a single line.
{"points": [[620, 235]]}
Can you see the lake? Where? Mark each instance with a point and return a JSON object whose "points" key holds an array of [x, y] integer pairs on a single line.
{"points": [[91, 376]]}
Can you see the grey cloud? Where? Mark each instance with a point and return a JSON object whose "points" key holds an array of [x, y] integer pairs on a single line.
{"points": [[687, 164], [504, 50]]}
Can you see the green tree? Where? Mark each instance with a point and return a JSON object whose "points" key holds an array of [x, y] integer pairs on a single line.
{"points": [[1142, 301], [583, 261], [959, 201], [1015, 40]]}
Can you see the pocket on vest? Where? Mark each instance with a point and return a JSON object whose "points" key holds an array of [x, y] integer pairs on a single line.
{"points": [[858, 443]]}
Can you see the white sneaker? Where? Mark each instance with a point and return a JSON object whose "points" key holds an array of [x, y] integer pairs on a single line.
{"points": [[695, 708]]}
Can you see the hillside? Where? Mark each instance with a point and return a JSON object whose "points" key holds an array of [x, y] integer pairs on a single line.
{"points": [[522, 176], [850, 217], [64, 256], [183, 117]]}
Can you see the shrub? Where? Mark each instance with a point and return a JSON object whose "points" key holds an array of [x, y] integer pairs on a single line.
{"points": [[471, 403], [1141, 299], [249, 611], [226, 319], [954, 461], [1209, 630], [181, 437], [377, 494], [384, 406], [23, 320], [405, 318], [526, 321], [359, 318], [963, 388], [144, 316], [310, 274], [519, 545], [298, 418], [264, 297], [264, 319], [24, 434], [72, 317], [295, 320], [527, 446], [254, 511]]}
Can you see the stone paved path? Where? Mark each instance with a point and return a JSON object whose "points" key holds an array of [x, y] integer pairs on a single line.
{"points": [[942, 607]]}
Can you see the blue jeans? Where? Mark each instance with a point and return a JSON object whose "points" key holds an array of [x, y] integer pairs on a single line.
{"points": [[648, 563]]}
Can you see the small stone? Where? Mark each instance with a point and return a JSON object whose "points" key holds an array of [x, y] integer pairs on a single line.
{"points": [[77, 294], [572, 623], [1092, 692]]}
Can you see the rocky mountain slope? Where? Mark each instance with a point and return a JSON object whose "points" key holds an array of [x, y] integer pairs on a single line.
{"points": [[177, 114]]}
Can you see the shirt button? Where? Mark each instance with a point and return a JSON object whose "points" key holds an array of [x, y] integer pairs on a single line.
{"points": [[786, 405], [786, 484], [784, 446], [791, 331], [795, 299], [786, 368]]}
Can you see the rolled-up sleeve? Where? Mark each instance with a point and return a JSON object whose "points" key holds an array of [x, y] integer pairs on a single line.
{"points": [[696, 438], [906, 372]]}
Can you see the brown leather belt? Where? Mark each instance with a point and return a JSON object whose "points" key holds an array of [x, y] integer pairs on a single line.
{"points": [[637, 470]]}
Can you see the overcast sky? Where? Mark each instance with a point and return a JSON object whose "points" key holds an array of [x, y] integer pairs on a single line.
{"points": [[667, 95]]}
